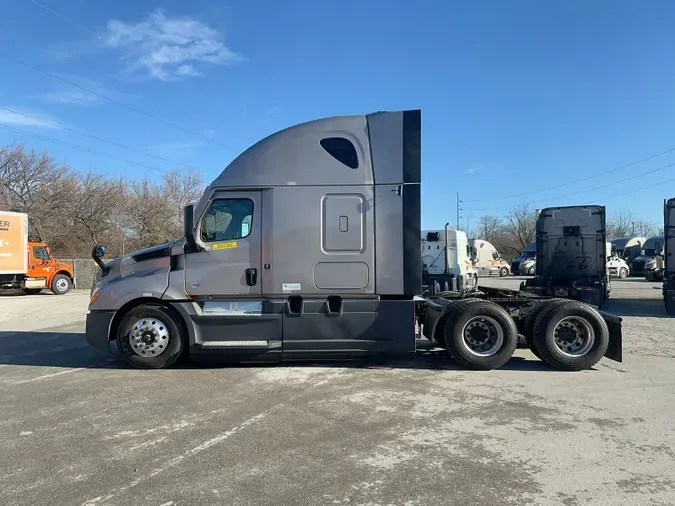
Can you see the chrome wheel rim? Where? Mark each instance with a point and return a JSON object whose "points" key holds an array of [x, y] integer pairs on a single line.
{"points": [[62, 285], [574, 336], [482, 336], [149, 337]]}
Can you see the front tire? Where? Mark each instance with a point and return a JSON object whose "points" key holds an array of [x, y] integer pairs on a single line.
{"points": [[531, 271], [61, 284], [571, 336], [480, 334], [623, 273], [149, 337], [503, 272]]}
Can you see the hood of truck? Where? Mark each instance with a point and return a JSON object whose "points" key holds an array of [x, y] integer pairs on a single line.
{"points": [[669, 232], [143, 273], [571, 242]]}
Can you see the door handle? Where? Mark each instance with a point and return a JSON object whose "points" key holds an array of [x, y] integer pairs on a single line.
{"points": [[251, 276]]}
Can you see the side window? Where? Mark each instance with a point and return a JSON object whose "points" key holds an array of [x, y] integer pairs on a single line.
{"points": [[40, 253], [227, 220], [342, 150]]}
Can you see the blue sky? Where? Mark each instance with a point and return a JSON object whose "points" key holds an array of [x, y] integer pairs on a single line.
{"points": [[516, 96]]}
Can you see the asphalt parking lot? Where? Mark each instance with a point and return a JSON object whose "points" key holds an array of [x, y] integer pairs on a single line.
{"points": [[78, 427]]}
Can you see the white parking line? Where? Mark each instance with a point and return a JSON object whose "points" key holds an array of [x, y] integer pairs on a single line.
{"points": [[45, 376]]}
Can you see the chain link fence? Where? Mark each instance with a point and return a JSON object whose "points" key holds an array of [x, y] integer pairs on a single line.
{"points": [[84, 270]]}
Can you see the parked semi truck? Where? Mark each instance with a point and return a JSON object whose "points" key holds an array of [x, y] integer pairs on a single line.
{"points": [[669, 256], [571, 255], [616, 265], [446, 264], [486, 259], [525, 263], [307, 246], [29, 266], [648, 251], [628, 248]]}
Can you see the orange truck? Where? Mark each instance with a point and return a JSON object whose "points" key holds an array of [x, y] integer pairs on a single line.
{"points": [[26, 265]]}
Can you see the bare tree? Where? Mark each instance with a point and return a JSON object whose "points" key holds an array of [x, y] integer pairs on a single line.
{"points": [[489, 227], [644, 228], [96, 201], [621, 224], [34, 183], [521, 222]]}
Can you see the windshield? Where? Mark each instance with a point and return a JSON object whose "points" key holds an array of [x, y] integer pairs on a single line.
{"points": [[528, 254], [650, 252]]}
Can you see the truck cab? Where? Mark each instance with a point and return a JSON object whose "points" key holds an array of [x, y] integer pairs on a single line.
{"points": [[307, 247], [450, 268], [525, 263], [669, 256], [486, 259], [571, 255], [46, 272], [650, 249], [616, 265]]}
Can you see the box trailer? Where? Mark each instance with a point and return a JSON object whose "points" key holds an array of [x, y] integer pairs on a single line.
{"points": [[307, 246]]}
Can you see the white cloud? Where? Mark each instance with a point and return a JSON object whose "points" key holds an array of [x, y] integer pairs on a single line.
{"points": [[24, 118], [169, 47], [472, 169]]}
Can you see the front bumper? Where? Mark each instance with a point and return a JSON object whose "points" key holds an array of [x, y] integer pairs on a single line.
{"points": [[97, 329]]}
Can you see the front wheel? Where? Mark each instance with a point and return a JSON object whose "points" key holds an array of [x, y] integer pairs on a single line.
{"points": [[531, 271], [61, 284], [480, 334], [503, 272], [148, 337], [623, 272]]}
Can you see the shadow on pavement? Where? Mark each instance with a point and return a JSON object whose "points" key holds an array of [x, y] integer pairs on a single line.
{"points": [[69, 349], [653, 308]]}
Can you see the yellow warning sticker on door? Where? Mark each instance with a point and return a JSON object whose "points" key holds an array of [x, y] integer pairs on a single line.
{"points": [[225, 245]]}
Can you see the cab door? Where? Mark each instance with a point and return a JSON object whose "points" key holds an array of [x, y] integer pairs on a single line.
{"points": [[229, 232]]}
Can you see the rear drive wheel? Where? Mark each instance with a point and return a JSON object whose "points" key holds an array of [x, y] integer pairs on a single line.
{"points": [[528, 324], [504, 271], [148, 337], [623, 272], [480, 334], [571, 336], [61, 284]]}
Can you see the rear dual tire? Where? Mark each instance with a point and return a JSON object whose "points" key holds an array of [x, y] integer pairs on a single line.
{"points": [[569, 336]]}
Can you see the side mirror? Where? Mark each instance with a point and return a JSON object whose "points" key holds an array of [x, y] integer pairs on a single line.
{"points": [[189, 228], [97, 253]]}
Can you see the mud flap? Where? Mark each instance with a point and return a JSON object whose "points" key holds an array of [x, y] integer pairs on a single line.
{"points": [[615, 347]]}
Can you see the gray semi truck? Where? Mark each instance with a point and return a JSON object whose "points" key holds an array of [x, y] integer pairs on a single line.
{"points": [[307, 246], [669, 256], [571, 255]]}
